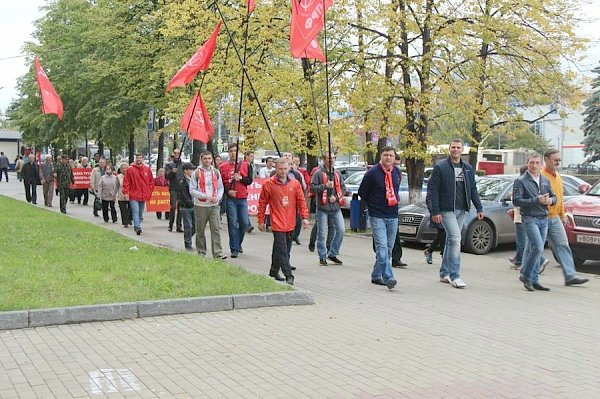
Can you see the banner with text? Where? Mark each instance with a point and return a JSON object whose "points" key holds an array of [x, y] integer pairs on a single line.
{"points": [[253, 195], [160, 200], [82, 177]]}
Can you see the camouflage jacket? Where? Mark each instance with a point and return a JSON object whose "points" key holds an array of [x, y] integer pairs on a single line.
{"points": [[64, 176]]}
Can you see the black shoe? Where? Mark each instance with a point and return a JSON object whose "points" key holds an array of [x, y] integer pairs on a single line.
{"points": [[138, 231], [289, 280], [250, 229], [399, 264], [222, 257], [105, 220], [293, 267], [322, 262], [34, 203], [391, 283], [65, 212], [311, 247], [95, 214], [335, 260], [276, 276], [170, 228], [297, 241], [241, 251], [528, 286], [378, 282], [179, 230], [234, 254], [115, 221], [189, 248], [539, 287], [577, 281]]}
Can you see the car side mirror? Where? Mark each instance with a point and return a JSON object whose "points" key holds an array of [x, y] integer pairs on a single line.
{"points": [[584, 188]]}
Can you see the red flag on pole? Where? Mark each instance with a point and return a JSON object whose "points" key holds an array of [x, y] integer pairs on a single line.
{"points": [[250, 4], [196, 120], [199, 62], [307, 21], [51, 103]]}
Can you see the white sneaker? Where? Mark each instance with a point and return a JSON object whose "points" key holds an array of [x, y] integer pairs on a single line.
{"points": [[458, 283], [445, 279], [543, 266]]}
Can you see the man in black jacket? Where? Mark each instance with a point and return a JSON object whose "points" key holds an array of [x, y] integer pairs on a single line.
{"points": [[31, 177], [452, 189], [174, 174], [186, 205]]}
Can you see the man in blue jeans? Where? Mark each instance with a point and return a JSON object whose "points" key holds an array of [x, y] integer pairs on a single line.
{"points": [[328, 186], [533, 194], [557, 237], [452, 189], [379, 188]]}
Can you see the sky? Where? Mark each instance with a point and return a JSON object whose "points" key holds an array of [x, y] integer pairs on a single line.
{"points": [[16, 26]]}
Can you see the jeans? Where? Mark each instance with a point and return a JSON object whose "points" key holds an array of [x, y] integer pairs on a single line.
{"points": [[137, 210], [557, 238], [384, 232], [237, 222], [189, 225], [338, 233], [521, 239], [453, 223], [536, 230], [280, 255], [535, 278]]}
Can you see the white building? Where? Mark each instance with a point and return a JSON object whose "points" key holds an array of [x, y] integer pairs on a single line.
{"points": [[10, 144]]}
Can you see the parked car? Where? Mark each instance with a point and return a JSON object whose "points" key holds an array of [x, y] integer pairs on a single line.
{"points": [[478, 236], [583, 169], [347, 170], [583, 225], [353, 183]]}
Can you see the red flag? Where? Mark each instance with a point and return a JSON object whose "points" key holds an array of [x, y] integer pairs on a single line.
{"points": [[51, 103], [196, 121], [307, 21], [313, 51], [199, 62], [250, 4]]}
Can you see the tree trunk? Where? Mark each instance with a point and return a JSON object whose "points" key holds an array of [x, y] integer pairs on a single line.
{"points": [[198, 147], [131, 147]]}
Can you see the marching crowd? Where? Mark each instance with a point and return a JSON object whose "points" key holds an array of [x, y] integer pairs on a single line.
{"points": [[201, 195]]}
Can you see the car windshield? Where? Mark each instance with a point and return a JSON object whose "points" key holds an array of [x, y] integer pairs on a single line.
{"points": [[356, 178], [595, 190], [490, 188]]}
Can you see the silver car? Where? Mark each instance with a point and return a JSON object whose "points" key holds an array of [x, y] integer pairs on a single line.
{"points": [[478, 236]]}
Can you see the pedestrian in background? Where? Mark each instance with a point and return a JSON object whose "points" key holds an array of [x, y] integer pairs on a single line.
{"points": [[122, 198], [138, 184], [97, 173], [109, 186], [47, 177], [174, 174], [64, 179], [31, 177], [18, 166], [186, 205], [285, 197], [4, 162], [161, 181]]}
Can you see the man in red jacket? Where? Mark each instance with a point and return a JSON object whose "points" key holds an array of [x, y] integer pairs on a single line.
{"points": [[284, 196], [138, 184]]}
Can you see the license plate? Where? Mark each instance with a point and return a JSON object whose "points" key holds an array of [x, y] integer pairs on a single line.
{"points": [[408, 229], [586, 239]]}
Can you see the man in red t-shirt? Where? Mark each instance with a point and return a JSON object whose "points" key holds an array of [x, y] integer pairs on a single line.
{"points": [[235, 180], [284, 197]]}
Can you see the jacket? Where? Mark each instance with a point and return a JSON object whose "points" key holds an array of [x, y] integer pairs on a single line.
{"points": [[443, 187], [200, 197], [184, 198], [120, 195], [284, 201], [64, 176], [138, 182], [109, 186], [31, 176], [317, 187], [97, 173], [227, 172], [372, 190], [174, 176], [526, 192]]}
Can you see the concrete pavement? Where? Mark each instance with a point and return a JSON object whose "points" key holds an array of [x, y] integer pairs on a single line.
{"points": [[423, 339]]}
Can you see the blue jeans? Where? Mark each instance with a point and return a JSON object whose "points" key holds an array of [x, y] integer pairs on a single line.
{"points": [[237, 222], [536, 230], [535, 278], [189, 225], [137, 209], [384, 232], [557, 238], [453, 223], [338, 233], [521, 241]]}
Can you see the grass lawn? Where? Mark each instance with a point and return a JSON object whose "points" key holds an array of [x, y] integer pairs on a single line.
{"points": [[48, 260]]}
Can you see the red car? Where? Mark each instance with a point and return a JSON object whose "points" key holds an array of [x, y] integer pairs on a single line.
{"points": [[583, 225]]}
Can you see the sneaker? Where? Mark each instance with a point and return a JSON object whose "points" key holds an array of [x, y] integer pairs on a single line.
{"points": [[445, 279], [290, 280], [458, 283], [391, 283], [234, 254], [311, 247], [322, 262], [428, 256], [138, 231], [543, 266], [335, 260]]}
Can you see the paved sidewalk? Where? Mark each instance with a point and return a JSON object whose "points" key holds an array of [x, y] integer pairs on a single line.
{"points": [[424, 339]]}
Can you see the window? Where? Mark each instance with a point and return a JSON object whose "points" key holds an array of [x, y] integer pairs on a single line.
{"points": [[537, 127]]}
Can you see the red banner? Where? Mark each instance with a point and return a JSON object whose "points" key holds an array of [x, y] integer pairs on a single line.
{"points": [[159, 200], [253, 195], [82, 177]]}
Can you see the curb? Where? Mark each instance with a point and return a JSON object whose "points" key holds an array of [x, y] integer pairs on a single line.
{"points": [[131, 310]]}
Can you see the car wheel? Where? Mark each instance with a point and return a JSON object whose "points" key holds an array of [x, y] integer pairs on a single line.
{"points": [[578, 261], [480, 238]]}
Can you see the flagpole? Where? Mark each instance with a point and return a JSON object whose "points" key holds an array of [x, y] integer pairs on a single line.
{"points": [[314, 102], [243, 67], [327, 85], [262, 112]]}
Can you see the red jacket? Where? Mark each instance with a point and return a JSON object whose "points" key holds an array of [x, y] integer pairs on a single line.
{"points": [[227, 170], [284, 200], [138, 182]]}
